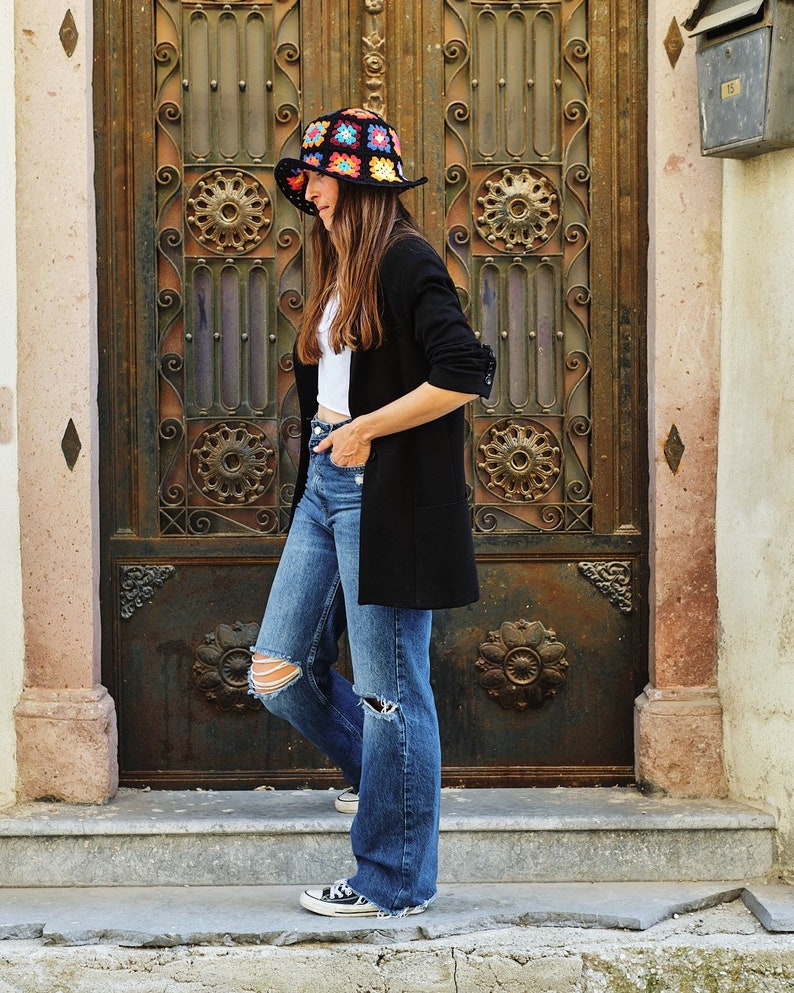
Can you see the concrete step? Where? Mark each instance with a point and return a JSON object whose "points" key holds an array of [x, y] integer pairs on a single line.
{"points": [[225, 838], [537, 938]]}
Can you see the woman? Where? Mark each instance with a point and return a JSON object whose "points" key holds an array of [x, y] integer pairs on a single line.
{"points": [[380, 535]]}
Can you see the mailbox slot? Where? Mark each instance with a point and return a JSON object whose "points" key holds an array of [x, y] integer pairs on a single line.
{"points": [[731, 17], [745, 72]]}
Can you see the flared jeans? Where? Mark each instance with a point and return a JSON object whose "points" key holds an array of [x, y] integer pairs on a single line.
{"points": [[381, 730]]}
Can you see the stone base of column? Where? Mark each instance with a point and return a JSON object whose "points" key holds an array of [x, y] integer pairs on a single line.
{"points": [[67, 745], [678, 741]]}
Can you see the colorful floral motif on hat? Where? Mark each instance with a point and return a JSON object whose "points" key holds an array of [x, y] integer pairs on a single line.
{"points": [[357, 145], [346, 133], [345, 165], [378, 138], [383, 170], [297, 181], [315, 133]]}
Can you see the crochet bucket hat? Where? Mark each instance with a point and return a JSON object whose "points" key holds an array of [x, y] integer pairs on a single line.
{"points": [[353, 144]]}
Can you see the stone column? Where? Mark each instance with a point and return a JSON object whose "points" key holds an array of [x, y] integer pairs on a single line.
{"points": [[678, 725], [66, 730]]}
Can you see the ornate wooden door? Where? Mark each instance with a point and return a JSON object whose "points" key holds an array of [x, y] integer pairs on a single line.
{"points": [[528, 118]]}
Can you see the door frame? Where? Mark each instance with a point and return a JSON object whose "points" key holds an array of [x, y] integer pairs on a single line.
{"points": [[619, 37]]}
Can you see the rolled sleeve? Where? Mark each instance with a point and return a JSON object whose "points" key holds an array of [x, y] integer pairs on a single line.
{"points": [[422, 296]]}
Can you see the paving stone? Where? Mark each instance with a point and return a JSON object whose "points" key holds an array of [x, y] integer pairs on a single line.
{"points": [[717, 950], [242, 915], [772, 905]]}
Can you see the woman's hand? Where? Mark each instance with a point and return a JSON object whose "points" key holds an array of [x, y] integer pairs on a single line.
{"points": [[351, 443], [348, 447]]}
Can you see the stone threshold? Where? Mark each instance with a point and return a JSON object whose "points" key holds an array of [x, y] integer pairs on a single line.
{"points": [[264, 809], [226, 838]]}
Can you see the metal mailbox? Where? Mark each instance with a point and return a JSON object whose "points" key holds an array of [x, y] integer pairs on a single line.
{"points": [[745, 71]]}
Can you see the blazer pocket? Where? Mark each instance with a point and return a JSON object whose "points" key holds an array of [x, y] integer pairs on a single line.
{"points": [[444, 549]]}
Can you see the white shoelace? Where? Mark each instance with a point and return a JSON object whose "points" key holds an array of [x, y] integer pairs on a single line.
{"points": [[340, 889]]}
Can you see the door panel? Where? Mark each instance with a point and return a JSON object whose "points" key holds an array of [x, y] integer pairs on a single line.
{"points": [[527, 118]]}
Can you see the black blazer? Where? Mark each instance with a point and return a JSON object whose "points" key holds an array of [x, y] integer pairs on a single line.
{"points": [[416, 542]]}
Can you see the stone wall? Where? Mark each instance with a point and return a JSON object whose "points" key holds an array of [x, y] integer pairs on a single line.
{"points": [[755, 519], [11, 630]]}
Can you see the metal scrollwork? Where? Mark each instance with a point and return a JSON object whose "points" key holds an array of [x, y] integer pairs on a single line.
{"points": [[222, 663], [521, 460], [137, 584], [613, 579], [522, 665], [227, 211], [233, 463], [520, 210]]}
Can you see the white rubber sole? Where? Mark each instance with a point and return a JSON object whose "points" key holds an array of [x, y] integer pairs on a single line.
{"points": [[327, 908], [347, 803]]}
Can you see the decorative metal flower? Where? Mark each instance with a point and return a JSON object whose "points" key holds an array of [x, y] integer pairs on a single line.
{"points": [[521, 210], [226, 212], [521, 665], [233, 464], [222, 663], [521, 460]]}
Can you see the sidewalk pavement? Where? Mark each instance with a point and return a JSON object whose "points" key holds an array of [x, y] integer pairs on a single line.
{"points": [[544, 938]]}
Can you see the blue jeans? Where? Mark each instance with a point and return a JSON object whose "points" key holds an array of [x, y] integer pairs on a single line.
{"points": [[382, 731]]}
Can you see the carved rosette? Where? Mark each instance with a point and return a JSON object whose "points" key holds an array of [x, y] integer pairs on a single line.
{"points": [[613, 579], [521, 460], [233, 463], [522, 665], [222, 663], [520, 210], [227, 211], [137, 585]]}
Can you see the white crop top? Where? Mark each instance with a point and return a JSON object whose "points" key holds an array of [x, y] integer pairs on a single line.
{"points": [[334, 371]]}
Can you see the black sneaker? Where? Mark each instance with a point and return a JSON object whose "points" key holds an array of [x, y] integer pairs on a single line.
{"points": [[347, 801], [338, 901]]}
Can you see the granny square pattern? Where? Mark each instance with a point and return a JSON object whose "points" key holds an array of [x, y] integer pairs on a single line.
{"points": [[383, 170], [315, 133], [345, 165], [355, 145], [378, 138], [297, 182], [346, 133]]}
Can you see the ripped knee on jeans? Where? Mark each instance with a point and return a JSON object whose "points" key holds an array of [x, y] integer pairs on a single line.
{"points": [[383, 707], [269, 674]]}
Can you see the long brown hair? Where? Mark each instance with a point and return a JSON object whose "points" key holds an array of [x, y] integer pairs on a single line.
{"points": [[345, 263]]}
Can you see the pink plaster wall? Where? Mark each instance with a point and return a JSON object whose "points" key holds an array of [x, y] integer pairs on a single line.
{"points": [[678, 722], [65, 720], [684, 355], [57, 349]]}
